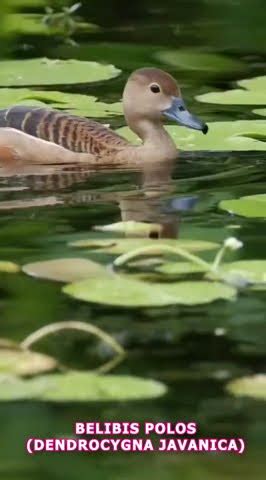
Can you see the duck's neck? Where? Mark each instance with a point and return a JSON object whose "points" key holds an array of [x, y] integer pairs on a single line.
{"points": [[156, 141]]}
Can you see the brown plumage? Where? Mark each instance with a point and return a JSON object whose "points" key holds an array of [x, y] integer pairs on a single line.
{"points": [[72, 132], [42, 135]]}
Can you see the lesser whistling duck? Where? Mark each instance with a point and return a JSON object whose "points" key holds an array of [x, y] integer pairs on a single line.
{"points": [[41, 135]]}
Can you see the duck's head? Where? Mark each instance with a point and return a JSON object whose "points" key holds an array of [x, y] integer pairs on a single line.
{"points": [[151, 94]]}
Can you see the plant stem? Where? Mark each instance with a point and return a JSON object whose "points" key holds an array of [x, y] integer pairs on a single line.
{"points": [[218, 258], [82, 326], [126, 257]]}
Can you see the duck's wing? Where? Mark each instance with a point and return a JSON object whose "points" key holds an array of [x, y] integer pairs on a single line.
{"points": [[72, 132]]}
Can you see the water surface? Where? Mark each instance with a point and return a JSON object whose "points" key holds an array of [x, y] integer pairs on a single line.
{"points": [[194, 350]]}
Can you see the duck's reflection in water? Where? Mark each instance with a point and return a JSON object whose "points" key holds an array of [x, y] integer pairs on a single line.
{"points": [[151, 201]]}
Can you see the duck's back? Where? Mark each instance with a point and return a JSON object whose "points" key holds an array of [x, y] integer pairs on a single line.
{"points": [[72, 132]]}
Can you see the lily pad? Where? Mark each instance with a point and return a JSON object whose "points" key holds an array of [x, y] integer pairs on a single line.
{"points": [[22, 362], [14, 388], [80, 387], [123, 245], [122, 291], [253, 271], [76, 104], [260, 111], [210, 63], [234, 97], [253, 386], [180, 268], [64, 269], [33, 24], [26, 3], [255, 83], [253, 206], [9, 267], [253, 92], [198, 293], [45, 71], [224, 136]]}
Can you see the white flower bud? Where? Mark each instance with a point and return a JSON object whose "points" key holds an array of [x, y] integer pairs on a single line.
{"points": [[233, 243]]}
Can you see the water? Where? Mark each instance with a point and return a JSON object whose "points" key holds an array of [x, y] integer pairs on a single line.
{"points": [[194, 350]]}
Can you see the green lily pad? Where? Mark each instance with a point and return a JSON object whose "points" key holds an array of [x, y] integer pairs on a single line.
{"points": [[253, 206], [210, 63], [122, 291], [26, 3], [9, 267], [180, 268], [234, 97], [23, 362], [44, 71], [33, 24], [252, 270], [124, 245], [76, 104], [253, 386], [119, 291], [260, 111], [224, 136], [80, 387], [24, 23], [255, 83], [64, 269], [198, 293], [253, 92], [14, 388]]}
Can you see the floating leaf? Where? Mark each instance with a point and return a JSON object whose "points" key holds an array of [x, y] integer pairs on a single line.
{"points": [[253, 271], [253, 92], [75, 103], [225, 136], [24, 23], [234, 97], [211, 63], [44, 71], [253, 206], [120, 291], [198, 293], [125, 292], [123, 245], [260, 111], [22, 362], [33, 24], [64, 269], [26, 3], [180, 268], [14, 388], [9, 267], [80, 387], [131, 228], [255, 83], [253, 386]]}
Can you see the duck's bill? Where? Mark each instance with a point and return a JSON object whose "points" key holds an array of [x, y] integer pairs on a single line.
{"points": [[180, 114]]}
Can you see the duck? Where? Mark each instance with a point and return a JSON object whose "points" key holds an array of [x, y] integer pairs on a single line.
{"points": [[47, 136]]}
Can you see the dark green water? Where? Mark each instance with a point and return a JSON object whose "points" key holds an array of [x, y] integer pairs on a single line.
{"points": [[178, 346]]}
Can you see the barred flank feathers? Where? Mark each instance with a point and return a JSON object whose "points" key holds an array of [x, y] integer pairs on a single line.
{"points": [[72, 132]]}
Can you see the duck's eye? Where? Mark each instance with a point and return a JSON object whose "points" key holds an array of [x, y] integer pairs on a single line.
{"points": [[181, 108], [155, 88]]}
